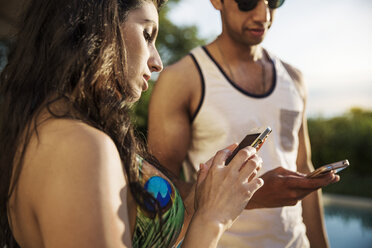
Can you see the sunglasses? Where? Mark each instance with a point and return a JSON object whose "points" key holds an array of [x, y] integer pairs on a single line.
{"points": [[247, 5]]}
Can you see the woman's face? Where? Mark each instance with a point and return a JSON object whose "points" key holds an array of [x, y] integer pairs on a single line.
{"points": [[140, 31]]}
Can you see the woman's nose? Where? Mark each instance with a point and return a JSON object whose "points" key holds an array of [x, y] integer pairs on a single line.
{"points": [[155, 64]]}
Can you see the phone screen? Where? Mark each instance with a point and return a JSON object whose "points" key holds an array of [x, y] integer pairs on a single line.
{"points": [[247, 141]]}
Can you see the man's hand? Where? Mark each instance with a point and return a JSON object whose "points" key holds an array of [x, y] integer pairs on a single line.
{"points": [[285, 188]]}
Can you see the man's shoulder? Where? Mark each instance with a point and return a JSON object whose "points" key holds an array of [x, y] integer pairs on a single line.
{"points": [[182, 67], [178, 84], [180, 72], [294, 72], [297, 77]]}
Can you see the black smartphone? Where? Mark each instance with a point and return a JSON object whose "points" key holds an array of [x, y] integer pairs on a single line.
{"points": [[337, 167], [255, 140]]}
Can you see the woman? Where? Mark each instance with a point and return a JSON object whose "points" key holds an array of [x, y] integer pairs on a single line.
{"points": [[72, 172]]}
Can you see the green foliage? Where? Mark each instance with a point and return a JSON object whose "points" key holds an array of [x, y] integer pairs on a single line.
{"points": [[351, 184], [348, 136], [140, 112], [173, 43], [345, 137]]}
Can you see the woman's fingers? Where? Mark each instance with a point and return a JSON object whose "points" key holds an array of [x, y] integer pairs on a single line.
{"points": [[250, 169], [254, 185], [245, 164], [220, 157], [202, 173], [224, 191], [242, 157], [231, 148], [249, 188]]}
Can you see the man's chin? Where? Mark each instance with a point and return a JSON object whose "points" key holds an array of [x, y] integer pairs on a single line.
{"points": [[249, 41], [256, 41]]}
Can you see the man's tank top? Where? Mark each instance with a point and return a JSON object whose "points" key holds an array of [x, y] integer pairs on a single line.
{"points": [[226, 114]]}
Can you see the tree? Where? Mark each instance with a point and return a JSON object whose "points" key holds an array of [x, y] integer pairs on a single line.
{"points": [[348, 136], [173, 43]]}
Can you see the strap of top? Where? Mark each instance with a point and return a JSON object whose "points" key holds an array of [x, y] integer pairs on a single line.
{"points": [[297, 79]]}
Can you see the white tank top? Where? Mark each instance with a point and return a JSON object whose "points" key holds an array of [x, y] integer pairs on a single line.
{"points": [[226, 114]]}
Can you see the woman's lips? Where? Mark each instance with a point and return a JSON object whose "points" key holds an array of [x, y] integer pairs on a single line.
{"points": [[145, 85], [146, 77]]}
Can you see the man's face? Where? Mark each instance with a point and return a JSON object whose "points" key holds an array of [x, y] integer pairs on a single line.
{"points": [[246, 27]]}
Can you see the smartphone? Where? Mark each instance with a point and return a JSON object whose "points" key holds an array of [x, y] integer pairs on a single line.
{"points": [[337, 167], [255, 140]]}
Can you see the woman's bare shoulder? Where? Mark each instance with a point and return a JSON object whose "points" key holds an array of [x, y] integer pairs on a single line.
{"points": [[75, 170], [67, 130], [68, 146]]}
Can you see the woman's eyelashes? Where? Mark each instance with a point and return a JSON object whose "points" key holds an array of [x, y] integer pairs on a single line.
{"points": [[148, 37]]}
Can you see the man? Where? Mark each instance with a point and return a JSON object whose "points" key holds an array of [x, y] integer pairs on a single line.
{"points": [[221, 92]]}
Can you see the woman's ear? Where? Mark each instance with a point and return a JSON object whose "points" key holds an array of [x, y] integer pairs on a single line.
{"points": [[217, 4]]}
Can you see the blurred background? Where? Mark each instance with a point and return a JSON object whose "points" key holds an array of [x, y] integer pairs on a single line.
{"points": [[330, 42]]}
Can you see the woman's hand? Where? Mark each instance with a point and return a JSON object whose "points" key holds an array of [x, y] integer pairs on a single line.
{"points": [[222, 192]]}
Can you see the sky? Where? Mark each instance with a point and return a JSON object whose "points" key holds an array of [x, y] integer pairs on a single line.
{"points": [[330, 41]]}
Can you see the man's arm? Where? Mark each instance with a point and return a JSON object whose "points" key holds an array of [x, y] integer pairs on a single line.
{"points": [[174, 99], [312, 214], [312, 204]]}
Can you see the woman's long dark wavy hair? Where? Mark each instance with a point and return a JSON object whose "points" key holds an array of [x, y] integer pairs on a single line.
{"points": [[71, 50]]}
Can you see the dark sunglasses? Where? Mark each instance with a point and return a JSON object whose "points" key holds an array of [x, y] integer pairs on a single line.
{"points": [[247, 5]]}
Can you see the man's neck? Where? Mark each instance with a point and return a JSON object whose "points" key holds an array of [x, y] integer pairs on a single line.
{"points": [[236, 51], [247, 66]]}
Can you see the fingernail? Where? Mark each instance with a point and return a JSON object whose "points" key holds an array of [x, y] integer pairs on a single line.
{"points": [[261, 181]]}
